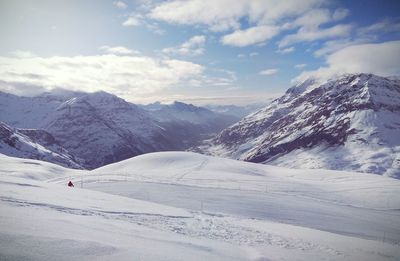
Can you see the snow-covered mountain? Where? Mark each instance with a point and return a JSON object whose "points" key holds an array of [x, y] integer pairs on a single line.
{"points": [[179, 111], [34, 144], [101, 128], [27, 112], [98, 128], [190, 124], [349, 123], [237, 111]]}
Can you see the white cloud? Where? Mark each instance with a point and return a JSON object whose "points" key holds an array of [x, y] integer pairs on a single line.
{"points": [[269, 71], [340, 14], [362, 35], [253, 54], [137, 19], [300, 66], [120, 4], [225, 15], [133, 20], [118, 50], [335, 45], [125, 76], [265, 18], [305, 34], [192, 47], [22, 54], [314, 18], [220, 77], [286, 50], [154, 28], [384, 26], [309, 25], [380, 58], [253, 35], [215, 14]]}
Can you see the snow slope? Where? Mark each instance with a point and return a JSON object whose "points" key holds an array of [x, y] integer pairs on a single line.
{"points": [[192, 169], [349, 123], [186, 206]]}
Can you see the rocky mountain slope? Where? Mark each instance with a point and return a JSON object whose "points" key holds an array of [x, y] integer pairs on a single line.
{"points": [[34, 144], [101, 128], [349, 123]]}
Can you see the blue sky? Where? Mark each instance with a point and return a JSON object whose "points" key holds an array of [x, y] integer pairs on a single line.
{"points": [[201, 51]]}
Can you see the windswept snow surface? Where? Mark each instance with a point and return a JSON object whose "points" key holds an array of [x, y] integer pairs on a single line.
{"points": [[186, 206]]}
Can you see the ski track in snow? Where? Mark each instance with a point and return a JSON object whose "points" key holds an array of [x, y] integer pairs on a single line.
{"points": [[223, 228], [202, 225]]}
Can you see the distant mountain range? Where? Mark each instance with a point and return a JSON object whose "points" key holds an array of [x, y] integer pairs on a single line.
{"points": [[238, 111], [349, 123], [100, 128]]}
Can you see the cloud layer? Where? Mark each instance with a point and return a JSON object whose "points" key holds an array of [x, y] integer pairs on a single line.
{"points": [[380, 58], [266, 19], [126, 76]]}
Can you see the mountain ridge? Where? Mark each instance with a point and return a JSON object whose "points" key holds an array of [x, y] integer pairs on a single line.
{"points": [[35, 144], [353, 113], [101, 128]]}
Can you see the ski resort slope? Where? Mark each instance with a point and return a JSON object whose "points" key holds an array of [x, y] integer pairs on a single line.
{"points": [[186, 206]]}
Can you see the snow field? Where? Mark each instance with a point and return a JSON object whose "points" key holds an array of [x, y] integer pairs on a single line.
{"points": [[186, 206]]}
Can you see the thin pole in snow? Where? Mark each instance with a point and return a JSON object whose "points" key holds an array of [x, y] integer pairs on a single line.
{"points": [[81, 181]]}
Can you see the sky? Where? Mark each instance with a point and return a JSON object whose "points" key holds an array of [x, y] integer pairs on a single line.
{"points": [[198, 51]]}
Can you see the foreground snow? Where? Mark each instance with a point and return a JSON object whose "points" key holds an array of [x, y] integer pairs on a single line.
{"points": [[202, 208]]}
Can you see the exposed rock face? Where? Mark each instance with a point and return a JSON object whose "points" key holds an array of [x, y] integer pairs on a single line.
{"points": [[351, 123]]}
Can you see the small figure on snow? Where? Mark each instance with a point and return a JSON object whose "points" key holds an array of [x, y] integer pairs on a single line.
{"points": [[70, 184]]}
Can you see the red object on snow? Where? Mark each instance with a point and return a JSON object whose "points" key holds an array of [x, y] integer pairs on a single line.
{"points": [[70, 184]]}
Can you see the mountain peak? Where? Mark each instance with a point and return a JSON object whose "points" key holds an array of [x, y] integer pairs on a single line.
{"points": [[313, 122], [184, 106]]}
